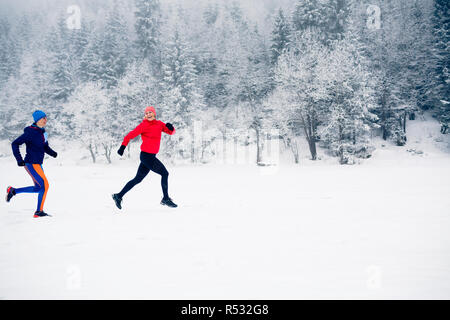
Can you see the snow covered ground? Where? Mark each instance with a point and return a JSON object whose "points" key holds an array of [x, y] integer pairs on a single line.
{"points": [[314, 230]]}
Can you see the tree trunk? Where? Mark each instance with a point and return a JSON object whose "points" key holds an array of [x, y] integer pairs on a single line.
{"points": [[312, 149], [384, 132], [383, 116], [91, 150], [107, 150], [294, 149], [404, 122], [235, 146], [224, 146], [258, 145], [341, 148], [307, 127], [204, 146]]}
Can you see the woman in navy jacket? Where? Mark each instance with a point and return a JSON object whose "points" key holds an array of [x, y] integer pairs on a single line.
{"points": [[35, 139]]}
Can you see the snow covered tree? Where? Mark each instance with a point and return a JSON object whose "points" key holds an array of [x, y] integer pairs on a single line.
{"points": [[9, 60], [280, 36], [79, 43], [327, 18], [179, 72], [23, 33], [103, 53], [218, 60], [256, 83], [88, 108], [212, 61], [148, 31], [419, 88], [443, 112], [348, 122], [181, 97], [400, 61], [20, 96], [247, 70], [441, 21], [299, 75], [136, 90], [283, 116], [308, 14], [385, 69], [337, 14], [114, 48], [61, 82], [90, 61]]}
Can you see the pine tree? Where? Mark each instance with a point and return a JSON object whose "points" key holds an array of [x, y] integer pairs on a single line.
{"points": [[308, 14], [418, 61], [148, 31], [211, 57], [401, 65], [280, 36], [23, 34], [79, 43], [114, 48], [256, 84], [61, 82], [9, 60], [348, 123], [182, 99], [337, 14], [90, 61], [20, 96], [441, 20], [179, 72], [327, 18]]}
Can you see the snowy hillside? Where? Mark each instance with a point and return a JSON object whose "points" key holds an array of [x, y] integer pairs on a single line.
{"points": [[425, 144], [314, 230]]}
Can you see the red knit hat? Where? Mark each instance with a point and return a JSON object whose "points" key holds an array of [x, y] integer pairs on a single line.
{"points": [[151, 108]]}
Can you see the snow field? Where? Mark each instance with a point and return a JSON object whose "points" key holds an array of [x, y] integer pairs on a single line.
{"points": [[304, 232]]}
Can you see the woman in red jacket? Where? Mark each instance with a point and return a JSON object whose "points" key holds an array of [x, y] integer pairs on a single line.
{"points": [[150, 130]]}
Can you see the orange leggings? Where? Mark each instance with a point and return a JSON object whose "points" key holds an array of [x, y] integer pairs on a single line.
{"points": [[40, 184]]}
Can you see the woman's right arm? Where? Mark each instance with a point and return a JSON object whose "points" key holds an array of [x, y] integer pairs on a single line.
{"points": [[132, 134], [15, 147]]}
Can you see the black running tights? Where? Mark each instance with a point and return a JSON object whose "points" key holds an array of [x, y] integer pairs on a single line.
{"points": [[149, 162]]}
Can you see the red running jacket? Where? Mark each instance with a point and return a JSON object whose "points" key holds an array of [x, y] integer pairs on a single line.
{"points": [[151, 135]]}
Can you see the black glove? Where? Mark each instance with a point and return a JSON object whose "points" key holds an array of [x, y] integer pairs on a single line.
{"points": [[54, 154], [121, 150], [169, 126], [21, 163]]}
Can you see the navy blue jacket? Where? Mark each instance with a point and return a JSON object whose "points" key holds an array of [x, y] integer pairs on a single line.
{"points": [[35, 139]]}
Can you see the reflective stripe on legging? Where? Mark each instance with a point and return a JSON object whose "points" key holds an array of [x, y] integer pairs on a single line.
{"points": [[40, 184]]}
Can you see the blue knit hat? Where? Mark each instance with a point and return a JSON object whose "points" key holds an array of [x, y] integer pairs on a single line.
{"points": [[38, 115]]}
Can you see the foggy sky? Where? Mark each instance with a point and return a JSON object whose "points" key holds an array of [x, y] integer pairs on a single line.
{"points": [[255, 10]]}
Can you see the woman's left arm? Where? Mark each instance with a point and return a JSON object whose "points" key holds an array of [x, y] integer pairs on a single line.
{"points": [[50, 151], [168, 128]]}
